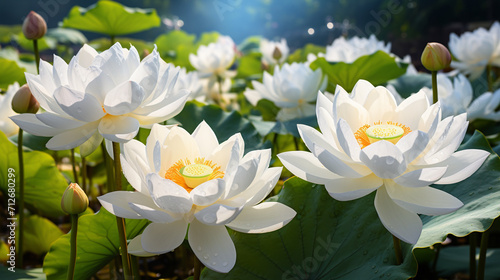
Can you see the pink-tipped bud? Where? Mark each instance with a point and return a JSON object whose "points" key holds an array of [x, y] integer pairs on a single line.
{"points": [[24, 102], [34, 26], [435, 57], [74, 200]]}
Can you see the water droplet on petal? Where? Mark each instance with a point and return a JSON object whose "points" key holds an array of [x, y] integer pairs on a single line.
{"points": [[206, 257], [389, 160], [214, 263], [224, 264]]}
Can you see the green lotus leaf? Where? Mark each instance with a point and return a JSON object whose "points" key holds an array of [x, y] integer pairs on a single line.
{"points": [[377, 68], [111, 18], [44, 184], [97, 245], [39, 233]]}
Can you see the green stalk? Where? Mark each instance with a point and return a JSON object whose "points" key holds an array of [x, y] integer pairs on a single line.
{"points": [[434, 87], [120, 221], [134, 261], [197, 268], [112, 39], [37, 55], [472, 256], [84, 177], [20, 240], [72, 258], [219, 99], [397, 250], [109, 169], [73, 165], [482, 255]]}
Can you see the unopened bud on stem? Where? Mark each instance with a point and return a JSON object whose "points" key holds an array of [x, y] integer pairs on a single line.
{"points": [[24, 102], [74, 200], [34, 26], [435, 57]]}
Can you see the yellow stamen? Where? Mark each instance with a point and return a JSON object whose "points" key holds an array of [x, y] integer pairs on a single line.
{"points": [[189, 175], [391, 131]]}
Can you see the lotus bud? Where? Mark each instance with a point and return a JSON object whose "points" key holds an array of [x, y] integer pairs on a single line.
{"points": [[435, 57], [24, 102], [277, 54], [34, 26], [74, 200]]}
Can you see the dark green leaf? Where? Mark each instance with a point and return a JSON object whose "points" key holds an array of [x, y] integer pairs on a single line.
{"points": [[376, 68], [327, 239], [111, 18], [97, 245], [21, 274], [408, 84], [300, 55], [67, 36], [44, 184], [249, 66], [10, 72]]}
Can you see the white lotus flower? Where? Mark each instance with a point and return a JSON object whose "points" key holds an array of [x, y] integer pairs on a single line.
{"points": [[367, 143], [215, 59], [475, 50], [191, 180], [7, 126], [274, 52], [106, 95], [292, 88], [191, 82], [348, 50], [455, 98]]}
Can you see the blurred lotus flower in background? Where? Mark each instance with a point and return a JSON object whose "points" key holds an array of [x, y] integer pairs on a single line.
{"points": [[456, 98], [368, 143], [7, 126], [292, 88], [475, 50], [274, 52], [348, 50], [191, 82], [191, 181], [106, 95], [215, 59]]}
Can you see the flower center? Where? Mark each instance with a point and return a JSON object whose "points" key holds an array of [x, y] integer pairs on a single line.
{"points": [[369, 134], [190, 175]]}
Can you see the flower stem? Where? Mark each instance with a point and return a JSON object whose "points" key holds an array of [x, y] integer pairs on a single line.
{"points": [[472, 256], [134, 262], [20, 243], [218, 98], [397, 250], [197, 268], [489, 77], [84, 176], [72, 258], [120, 221], [73, 165], [482, 255], [434, 87], [37, 55], [109, 169]]}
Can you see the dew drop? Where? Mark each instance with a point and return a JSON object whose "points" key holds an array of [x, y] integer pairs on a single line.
{"points": [[376, 271], [471, 193], [206, 257], [224, 264], [199, 248], [214, 263], [389, 160], [374, 266]]}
